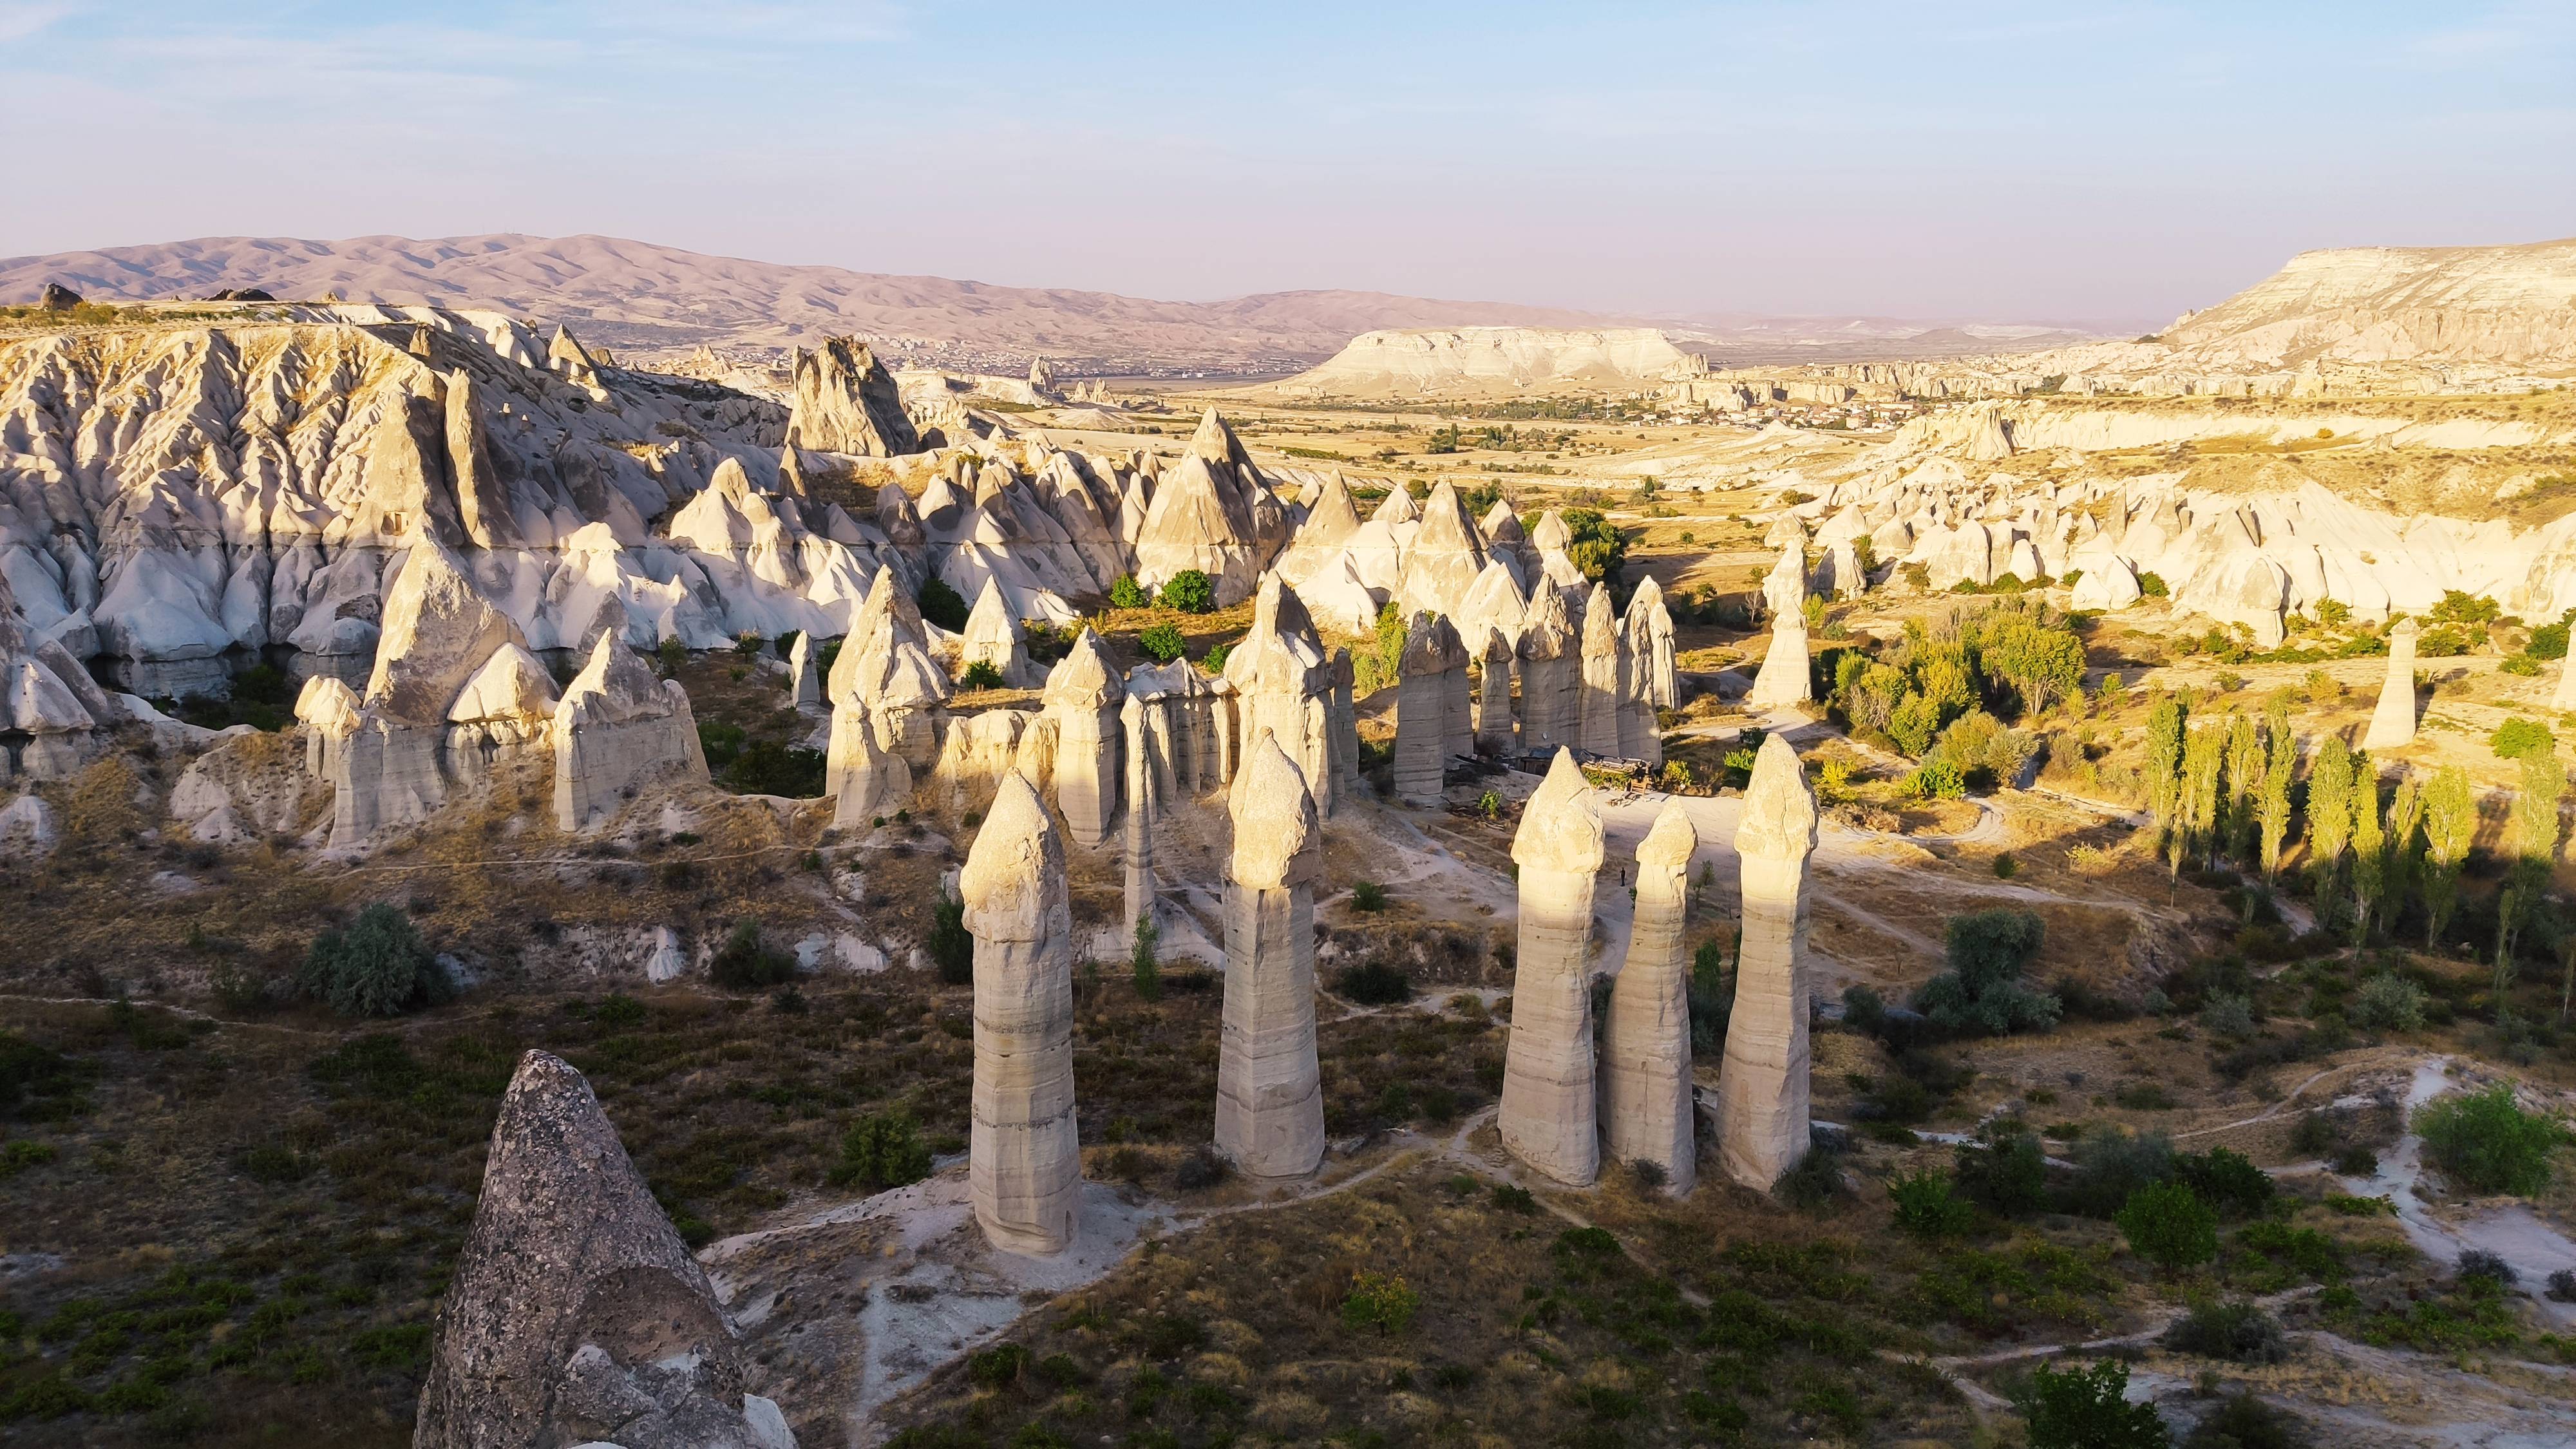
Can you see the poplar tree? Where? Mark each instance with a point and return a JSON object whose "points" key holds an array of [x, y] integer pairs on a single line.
{"points": [[2164, 764], [2203, 752], [2450, 827], [2535, 848], [2397, 876], [2329, 817], [2244, 783], [2369, 852], [2282, 757]]}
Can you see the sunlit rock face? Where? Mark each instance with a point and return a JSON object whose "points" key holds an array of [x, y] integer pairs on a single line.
{"points": [[1762, 1083], [1549, 1117], [1024, 1159]]}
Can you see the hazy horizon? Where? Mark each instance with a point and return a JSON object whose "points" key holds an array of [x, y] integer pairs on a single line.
{"points": [[2028, 164]]}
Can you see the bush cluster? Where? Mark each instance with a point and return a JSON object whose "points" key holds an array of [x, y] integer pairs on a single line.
{"points": [[379, 966]]}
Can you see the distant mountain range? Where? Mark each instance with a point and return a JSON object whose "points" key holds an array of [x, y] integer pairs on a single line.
{"points": [[639, 297]]}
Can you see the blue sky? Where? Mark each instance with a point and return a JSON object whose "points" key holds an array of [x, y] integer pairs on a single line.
{"points": [[2076, 161]]}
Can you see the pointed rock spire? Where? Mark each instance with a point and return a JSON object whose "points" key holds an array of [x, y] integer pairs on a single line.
{"points": [[1549, 1118]]}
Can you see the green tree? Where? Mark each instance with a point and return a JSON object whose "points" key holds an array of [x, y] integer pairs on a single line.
{"points": [[1163, 643], [2520, 738], [1188, 591], [2164, 764], [2398, 847], [942, 605], [2450, 828], [2003, 1167], [1982, 992], [2534, 842], [2281, 758], [1126, 593], [2088, 1408], [379, 966], [882, 1150], [2369, 851], [1925, 1205], [951, 945], [1142, 963], [2204, 753], [2244, 783], [2329, 816], [2487, 1142], [2167, 1224], [1380, 1301]]}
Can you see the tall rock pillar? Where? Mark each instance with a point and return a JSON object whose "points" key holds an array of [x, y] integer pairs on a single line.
{"points": [[1548, 1117], [1762, 1083], [1494, 696], [1548, 673], [1139, 896], [1783, 678], [1433, 664], [1024, 1160], [2393, 722], [1082, 696], [1269, 1093], [1646, 1050], [1604, 677]]}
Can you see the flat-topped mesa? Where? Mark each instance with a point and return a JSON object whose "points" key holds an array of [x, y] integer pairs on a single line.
{"points": [[1782, 680], [575, 1311], [2392, 723], [846, 402], [1137, 895], [1082, 700], [1024, 1157], [1434, 665], [1604, 689], [1494, 734], [1646, 1111], [1549, 1117], [993, 637], [1284, 685], [1442, 562], [1762, 1083], [617, 728], [1269, 1090], [1551, 674]]}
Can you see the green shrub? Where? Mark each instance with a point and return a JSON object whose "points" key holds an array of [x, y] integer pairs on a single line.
{"points": [[951, 945], [2242, 1421], [2488, 1143], [2235, 1332], [2004, 1168], [773, 767], [743, 963], [2518, 737], [1981, 993], [22, 1153], [1189, 592], [1141, 961], [1379, 1301], [1926, 1207], [2228, 1181], [2080, 1408], [882, 1150], [720, 742], [2152, 586], [2387, 1002], [1373, 983], [379, 966], [2228, 1015], [2110, 1165], [982, 675], [1368, 895], [1126, 593], [1936, 780], [2167, 1224], [942, 605], [1163, 643]]}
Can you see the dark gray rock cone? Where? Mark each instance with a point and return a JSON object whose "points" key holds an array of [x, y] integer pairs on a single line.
{"points": [[576, 1314]]}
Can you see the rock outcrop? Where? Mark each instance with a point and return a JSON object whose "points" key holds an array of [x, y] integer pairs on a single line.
{"points": [[1551, 675], [2392, 722], [1603, 695], [1025, 1161], [1285, 686], [1549, 1117], [1269, 1090], [575, 1314], [617, 729], [1137, 859], [846, 402], [1762, 1083], [1494, 729], [1782, 680], [1213, 512], [1646, 1113], [1082, 699], [994, 637], [1433, 668]]}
